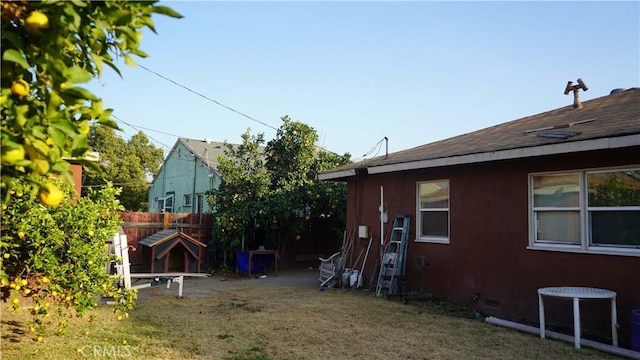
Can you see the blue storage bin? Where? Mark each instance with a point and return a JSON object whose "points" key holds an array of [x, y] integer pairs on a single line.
{"points": [[242, 262]]}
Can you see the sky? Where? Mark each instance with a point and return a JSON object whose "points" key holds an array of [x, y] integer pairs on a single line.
{"points": [[415, 72]]}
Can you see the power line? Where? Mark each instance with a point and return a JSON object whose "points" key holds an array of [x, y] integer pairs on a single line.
{"points": [[207, 98], [140, 127], [215, 102]]}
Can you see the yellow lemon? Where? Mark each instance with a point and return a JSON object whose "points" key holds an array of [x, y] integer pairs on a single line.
{"points": [[119, 318], [15, 301], [20, 88], [35, 22], [6, 255], [50, 195], [21, 234], [24, 282]]}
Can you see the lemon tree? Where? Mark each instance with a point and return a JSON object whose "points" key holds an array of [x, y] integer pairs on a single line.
{"points": [[54, 257], [53, 254], [49, 49]]}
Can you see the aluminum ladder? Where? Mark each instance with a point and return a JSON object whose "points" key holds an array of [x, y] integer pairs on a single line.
{"points": [[393, 262]]}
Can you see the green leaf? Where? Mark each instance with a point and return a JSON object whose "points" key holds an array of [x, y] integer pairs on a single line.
{"points": [[80, 93], [59, 138], [15, 56], [97, 59], [80, 146], [113, 66], [139, 52], [129, 60], [165, 10], [79, 3], [149, 22], [109, 123], [65, 125], [77, 74]]}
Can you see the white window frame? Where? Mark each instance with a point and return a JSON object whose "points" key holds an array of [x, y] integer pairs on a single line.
{"points": [[584, 245], [199, 203], [186, 200], [419, 211]]}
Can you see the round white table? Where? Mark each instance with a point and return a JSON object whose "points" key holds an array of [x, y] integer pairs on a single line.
{"points": [[577, 294]]}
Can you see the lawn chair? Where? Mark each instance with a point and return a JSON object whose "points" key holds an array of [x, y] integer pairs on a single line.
{"points": [[328, 269]]}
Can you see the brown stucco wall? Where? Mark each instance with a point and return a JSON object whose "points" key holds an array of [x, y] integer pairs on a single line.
{"points": [[487, 255]]}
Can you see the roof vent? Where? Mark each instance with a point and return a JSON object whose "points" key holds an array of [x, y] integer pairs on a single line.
{"points": [[576, 88], [556, 134], [615, 91]]}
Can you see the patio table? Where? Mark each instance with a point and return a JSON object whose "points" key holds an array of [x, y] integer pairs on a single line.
{"points": [[577, 294]]}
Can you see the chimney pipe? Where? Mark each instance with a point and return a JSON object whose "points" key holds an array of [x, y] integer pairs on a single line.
{"points": [[576, 90]]}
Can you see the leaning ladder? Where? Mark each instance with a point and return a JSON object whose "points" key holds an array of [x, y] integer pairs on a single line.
{"points": [[393, 258]]}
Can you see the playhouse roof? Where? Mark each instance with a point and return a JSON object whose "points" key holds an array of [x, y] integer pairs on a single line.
{"points": [[166, 235]]}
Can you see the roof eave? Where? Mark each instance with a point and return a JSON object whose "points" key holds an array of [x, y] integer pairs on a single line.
{"points": [[518, 153], [337, 175], [508, 154]]}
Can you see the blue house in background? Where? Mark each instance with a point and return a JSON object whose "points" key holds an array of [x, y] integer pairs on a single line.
{"points": [[186, 174]]}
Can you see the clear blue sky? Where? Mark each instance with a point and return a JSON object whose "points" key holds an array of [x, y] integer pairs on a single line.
{"points": [[415, 72]]}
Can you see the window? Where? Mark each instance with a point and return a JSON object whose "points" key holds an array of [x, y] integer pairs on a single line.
{"points": [[433, 209], [591, 211], [186, 200], [199, 203], [165, 204]]}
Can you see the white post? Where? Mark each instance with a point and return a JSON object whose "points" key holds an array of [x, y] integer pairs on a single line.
{"points": [[180, 281], [124, 253], [614, 322], [576, 321], [541, 310], [381, 217]]}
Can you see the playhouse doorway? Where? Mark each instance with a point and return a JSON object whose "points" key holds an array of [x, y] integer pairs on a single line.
{"points": [[178, 259]]}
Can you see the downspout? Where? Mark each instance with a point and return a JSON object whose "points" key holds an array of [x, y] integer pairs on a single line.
{"points": [[195, 173]]}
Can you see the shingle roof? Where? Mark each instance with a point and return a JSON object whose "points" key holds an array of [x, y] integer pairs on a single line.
{"points": [[206, 151], [166, 235], [615, 115]]}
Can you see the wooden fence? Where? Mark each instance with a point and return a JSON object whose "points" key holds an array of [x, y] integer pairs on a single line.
{"points": [[139, 225]]}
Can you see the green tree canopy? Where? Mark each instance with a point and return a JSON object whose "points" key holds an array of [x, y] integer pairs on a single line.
{"points": [[277, 190], [127, 164]]}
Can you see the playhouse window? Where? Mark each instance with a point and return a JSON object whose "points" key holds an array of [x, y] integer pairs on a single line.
{"points": [[589, 211], [187, 200], [433, 211]]}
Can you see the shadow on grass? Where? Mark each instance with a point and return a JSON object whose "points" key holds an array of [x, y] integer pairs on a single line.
{"points": [[15, 331]]}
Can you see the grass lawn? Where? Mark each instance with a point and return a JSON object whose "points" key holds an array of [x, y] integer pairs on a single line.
{"points": [[272, 318]]}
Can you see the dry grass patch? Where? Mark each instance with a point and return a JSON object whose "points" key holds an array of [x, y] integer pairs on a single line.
{"points": [[259, 321]]}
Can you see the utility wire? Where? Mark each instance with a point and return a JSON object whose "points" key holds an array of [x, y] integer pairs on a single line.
{"points": [[215, 102], [378, 145], [140, 127], [208, 98]]}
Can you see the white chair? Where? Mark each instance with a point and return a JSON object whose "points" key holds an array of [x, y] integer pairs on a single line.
{"points": [[328, 269]]}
